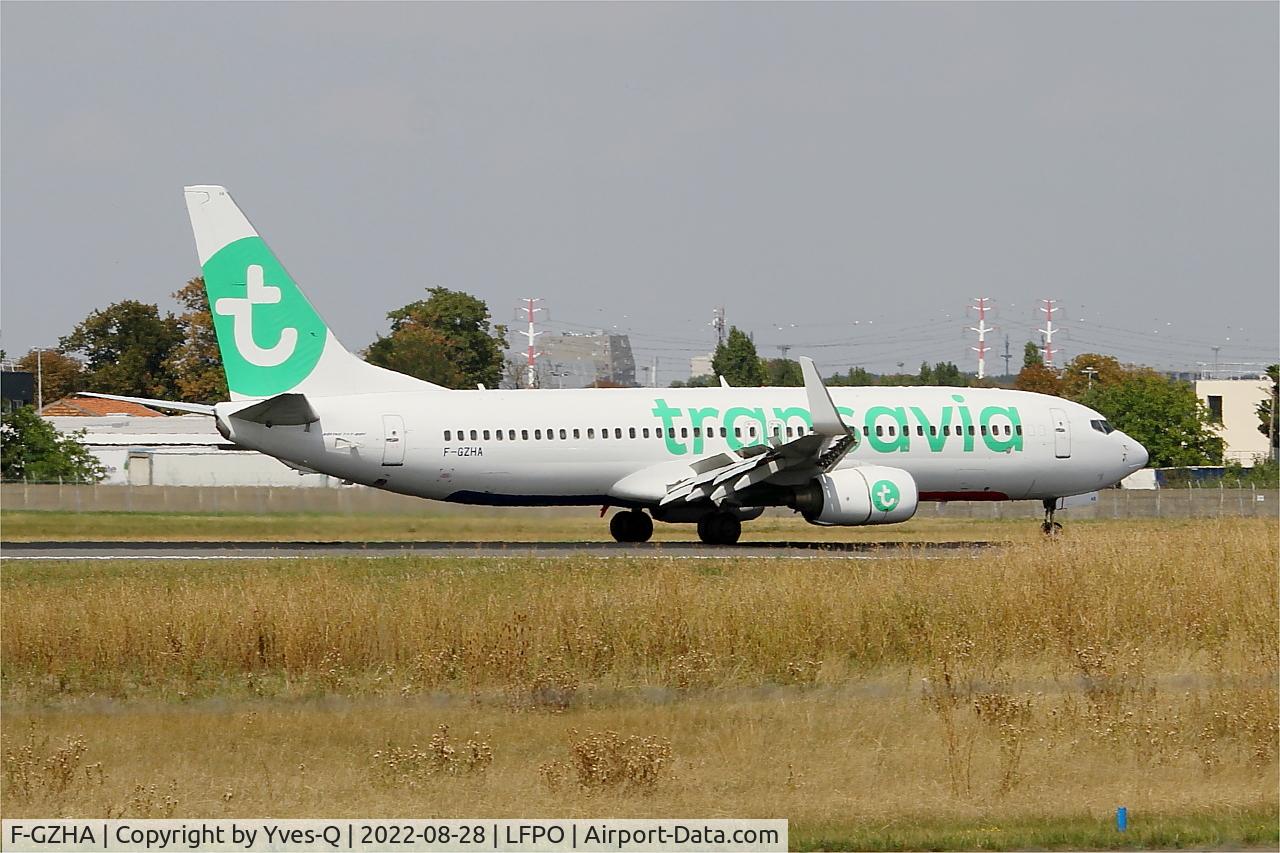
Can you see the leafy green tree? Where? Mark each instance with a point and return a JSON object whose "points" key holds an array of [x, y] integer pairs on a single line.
{"points": [[946, 373], [926, 373], [1039, 379], [1164, 415], [737, 361], [196, 362], [61, 375], [783, 373], [446, 338], [855, 377], [1031, 355], [1267, 407], [31, 449], [1089, 370], [126, 348]]}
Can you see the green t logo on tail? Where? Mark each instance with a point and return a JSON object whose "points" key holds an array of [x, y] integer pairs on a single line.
{"points": [[885, 496], [270, 336]]}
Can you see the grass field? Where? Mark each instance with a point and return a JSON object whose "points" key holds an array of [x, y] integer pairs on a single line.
{"points": [[1012, 699]]}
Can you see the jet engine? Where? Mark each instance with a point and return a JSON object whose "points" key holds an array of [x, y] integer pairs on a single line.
{"points": [[852, 496]]}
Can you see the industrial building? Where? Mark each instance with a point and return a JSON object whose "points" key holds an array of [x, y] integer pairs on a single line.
{"points": [[580, 360]]}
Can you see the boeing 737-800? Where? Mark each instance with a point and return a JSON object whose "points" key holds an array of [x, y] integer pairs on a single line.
{"points": [[711, 456]]}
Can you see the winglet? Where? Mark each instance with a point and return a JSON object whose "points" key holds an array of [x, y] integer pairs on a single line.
{"points": [[826, 420], [724, 383]]}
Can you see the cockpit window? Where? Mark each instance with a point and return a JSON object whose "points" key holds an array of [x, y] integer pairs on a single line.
{"points": [[1102, 427]]}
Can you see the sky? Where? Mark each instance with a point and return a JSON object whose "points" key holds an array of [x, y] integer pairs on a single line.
{"points": [[844, 179]]}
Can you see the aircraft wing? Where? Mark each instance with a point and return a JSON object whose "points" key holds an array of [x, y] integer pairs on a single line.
{"points": [[722, 477], [197, 408]]}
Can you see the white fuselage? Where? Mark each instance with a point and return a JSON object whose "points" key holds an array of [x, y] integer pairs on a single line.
{"points": [[571, 447]]}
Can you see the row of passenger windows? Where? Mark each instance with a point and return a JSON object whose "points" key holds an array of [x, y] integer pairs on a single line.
{"points": [[698, 432]]}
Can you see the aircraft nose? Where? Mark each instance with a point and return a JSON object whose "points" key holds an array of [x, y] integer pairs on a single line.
{"points": [[1136, 455]]}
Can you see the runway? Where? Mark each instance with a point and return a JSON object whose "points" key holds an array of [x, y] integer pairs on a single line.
{"points": [[100, 550]]}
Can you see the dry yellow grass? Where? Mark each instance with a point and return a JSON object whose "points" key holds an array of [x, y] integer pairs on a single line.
{"points": [[1127, 664]]}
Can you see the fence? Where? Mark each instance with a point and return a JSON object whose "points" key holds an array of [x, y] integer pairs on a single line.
{"points": [[357, 500]]}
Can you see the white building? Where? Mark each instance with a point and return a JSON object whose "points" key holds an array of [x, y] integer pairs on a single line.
{"points": [[700, 365], [1234, 404], [177, 451]]}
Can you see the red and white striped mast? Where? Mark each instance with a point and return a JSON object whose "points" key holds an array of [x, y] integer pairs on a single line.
{"points": [[531, 355], [1048, 308], [982, 328]]}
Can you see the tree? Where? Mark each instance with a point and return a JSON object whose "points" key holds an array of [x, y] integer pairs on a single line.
{"points": [[1267, 407], [704, 381], [783, 373], [1164, 415], [60, 375], [1031, 355], [856, 377], [196, 362], [1038, 378], [926, 373], [1088, 370], [447, 339], [946, 373], [736, 360], [30, 448], [126, 349]]}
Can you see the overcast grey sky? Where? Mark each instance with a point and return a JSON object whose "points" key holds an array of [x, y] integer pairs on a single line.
{"points": [[637, 165]]}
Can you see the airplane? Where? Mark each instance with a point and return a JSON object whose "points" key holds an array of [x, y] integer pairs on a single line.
{"points": [[714, 457]]}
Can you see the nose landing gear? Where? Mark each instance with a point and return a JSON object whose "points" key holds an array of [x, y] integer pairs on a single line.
{"points": [[1050, 527], [631, 526]]}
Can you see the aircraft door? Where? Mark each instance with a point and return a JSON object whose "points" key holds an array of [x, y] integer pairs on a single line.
{"points": [[392, 440], [1061, 433]]}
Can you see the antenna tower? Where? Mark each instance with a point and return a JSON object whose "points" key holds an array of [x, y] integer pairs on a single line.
{"points": [[717, 323], [530, 310], [1050, 305], [982, 328], [1006, 355]]}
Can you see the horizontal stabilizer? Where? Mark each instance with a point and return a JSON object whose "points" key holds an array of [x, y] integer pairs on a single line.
{"points": [[280, 410], [196, 408]]}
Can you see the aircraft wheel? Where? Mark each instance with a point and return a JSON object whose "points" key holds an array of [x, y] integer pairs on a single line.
{"points": [[1051, 528], [631, 526], [719, 528]]}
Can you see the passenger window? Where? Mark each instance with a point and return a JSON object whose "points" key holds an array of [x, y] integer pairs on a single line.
{"points": [[684, 432], [632, 432], [946, 430], [604, 433], [970, 429], [563, 435], [524, 434], [737, 432], [933, 430], [1018, 429], [497, 434], [646, 432], [984, 429], [446, 435], [893, 430], [879, 430], [617, 432], [919, 430], [866, 430], [576, 434], [486, 435], [591, 432], [723, 432], [697, 432], [551, 433], [473, 435]]}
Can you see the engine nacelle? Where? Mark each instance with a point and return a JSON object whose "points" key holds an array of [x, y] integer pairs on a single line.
{"points": [[852, 496]]}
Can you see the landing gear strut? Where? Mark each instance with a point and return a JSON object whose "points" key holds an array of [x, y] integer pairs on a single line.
{"points": [[719, 528], [1050, 527], [631, 526]]}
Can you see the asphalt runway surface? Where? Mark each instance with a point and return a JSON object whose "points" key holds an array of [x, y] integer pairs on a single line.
{"points": [[99, 550]]}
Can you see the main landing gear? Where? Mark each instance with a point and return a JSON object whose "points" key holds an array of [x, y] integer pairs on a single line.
{"points": [[631, 526], [1050, 527], [719, 528]]}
